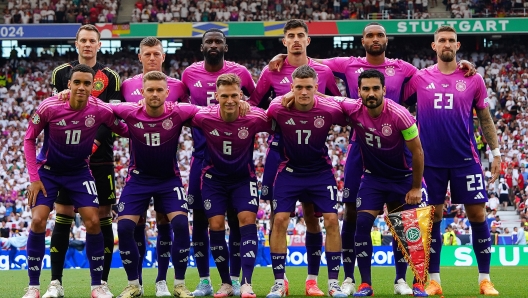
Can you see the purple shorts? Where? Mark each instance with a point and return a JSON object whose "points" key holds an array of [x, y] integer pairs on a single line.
{"points": [[353, 173], [466, 185], [169, 195], [270, 172], [80, 187], [218, 195], [375, 192], [317, 188], [194, 193]]}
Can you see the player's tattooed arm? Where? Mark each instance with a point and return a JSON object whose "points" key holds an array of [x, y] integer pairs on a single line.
{"points": [[488, 129]]}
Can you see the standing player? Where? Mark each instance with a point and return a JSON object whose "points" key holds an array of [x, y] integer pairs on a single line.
{"points": [[451, 154], [393, 160], [152, 56], [348, 69], [106, 87], [69, 130], [272, 83], [228, 177], [154, 172], [305, 174], [200, 79]]}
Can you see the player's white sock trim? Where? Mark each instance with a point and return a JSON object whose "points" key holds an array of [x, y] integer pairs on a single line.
{"points": [[134, 282], [311, 277], [435, 277], [483, 276], [178, 281]]}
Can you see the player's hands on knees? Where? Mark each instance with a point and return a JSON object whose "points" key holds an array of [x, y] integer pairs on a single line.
{"points": [[34, 188], [495, 169], [288, 99], [243, 108], [470, 67], [277, 62], [414, 196], [64, 95]]}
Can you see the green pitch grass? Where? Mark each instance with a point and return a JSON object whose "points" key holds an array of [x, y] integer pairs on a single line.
{"points": [[457, 282]]}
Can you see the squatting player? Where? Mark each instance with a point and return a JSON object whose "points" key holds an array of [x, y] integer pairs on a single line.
{"points": [[228, 178], [69, 130], [446, 100], [305, 174], [153, 172]]}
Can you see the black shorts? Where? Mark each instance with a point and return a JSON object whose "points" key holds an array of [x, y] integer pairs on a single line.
{"points": [[104, 182]]}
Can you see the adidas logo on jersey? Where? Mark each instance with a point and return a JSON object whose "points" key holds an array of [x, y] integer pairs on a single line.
{"points": [[479, 196], [96, 201], [136, 92], [336, 268], [165, 255], [54, 249], [34, 268], [219, 259], [198, 84], [486, 251], [61, 123], [347, 260], [285, 81], [253, 202], [360, 70], [198, 254], [100, 268], [249, 254], [317, 253], [362, 254], [290, 122], [184, 260], [139, 125], [215, 133], [279, 267], [430, 86], [184, 206], [126, 262]]}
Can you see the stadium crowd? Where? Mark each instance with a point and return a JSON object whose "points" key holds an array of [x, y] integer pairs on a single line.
{"points": [[24, 83]]}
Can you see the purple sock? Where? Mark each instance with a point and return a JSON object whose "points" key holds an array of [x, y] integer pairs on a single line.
{"points": [[349, 256], [141, 243], [181, 245], [400, 262], [436, 248], [235, 263], [481, 245], [220, 254], [364, 245], [200, 243], [163, 250], [128, 248], [248, 251], [333, 261], [278, 262], [95, 254], [35, 253], [314, 246]]}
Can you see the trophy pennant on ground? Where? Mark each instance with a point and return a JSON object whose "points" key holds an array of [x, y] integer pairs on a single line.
{"points": [[411, 229]]}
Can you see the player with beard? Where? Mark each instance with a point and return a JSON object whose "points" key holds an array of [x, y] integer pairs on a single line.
{"points": [[200, 80], [397, 73], [445, 103]]}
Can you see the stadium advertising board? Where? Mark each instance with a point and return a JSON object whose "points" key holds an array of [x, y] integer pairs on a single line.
{"points": [[458, 256], [38, 31]]}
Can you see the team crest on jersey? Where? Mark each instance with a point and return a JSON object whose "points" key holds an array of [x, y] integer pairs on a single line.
{"points": [[460, 85], [243, 132], [121, 206], [98, 84], [386, 129], [35, 119], [167, 124], [358, 202], [274, 204], [389, 70], [346, 193], [90, 121], [190, 199], [207, 204], [319, 121], [265, 190]]}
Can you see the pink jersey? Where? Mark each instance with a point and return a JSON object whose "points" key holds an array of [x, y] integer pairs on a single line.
{"points": [[154, 140], [445, 115], [68, 134], [201, 86], [131, 89], [274, 83], [381, 141], [304, 134], [230, 144], [397, 73]]}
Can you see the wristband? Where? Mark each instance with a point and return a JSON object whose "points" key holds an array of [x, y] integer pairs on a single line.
{"points": [[496, 152], [94, 148]]}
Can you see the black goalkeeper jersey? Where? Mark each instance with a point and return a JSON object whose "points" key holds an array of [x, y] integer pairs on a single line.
{"points": [[106, 87]]}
